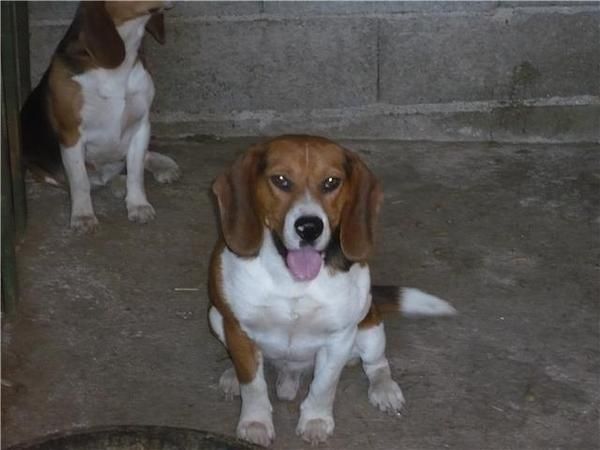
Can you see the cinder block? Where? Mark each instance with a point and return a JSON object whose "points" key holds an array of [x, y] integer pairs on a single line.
{"points": [[279, 65], [535, 124], [209, 8], [299, 9], [466, 58]]}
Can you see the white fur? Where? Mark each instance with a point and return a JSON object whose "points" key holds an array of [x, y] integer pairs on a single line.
{"points": [[414, 302], [114, 132], [306, 206], [301, 325]]}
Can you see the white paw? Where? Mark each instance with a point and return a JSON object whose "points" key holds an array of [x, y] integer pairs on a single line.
{"points": [[167, 175], [387, 396], [257, 432], [287, 385], [84, 223], [229, 384], [317, 430], [143, 213], [163, 168]]}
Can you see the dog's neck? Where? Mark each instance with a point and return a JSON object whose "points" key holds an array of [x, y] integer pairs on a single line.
{"points": [[132, 33]]}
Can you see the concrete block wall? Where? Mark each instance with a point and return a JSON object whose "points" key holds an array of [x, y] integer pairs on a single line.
{"points": [[443, 71]]}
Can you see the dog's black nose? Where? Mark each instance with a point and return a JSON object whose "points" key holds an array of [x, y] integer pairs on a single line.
{"points": [[309, 228]]}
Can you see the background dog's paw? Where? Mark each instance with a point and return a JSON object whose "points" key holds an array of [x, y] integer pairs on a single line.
{"points": [[387, 396], [140, 213], [315, 431], [84, 223], [229, 384], [167, 175], [163, 168], [261, 433]]}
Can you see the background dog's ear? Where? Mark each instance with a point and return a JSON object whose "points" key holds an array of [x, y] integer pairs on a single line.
{"points": [[235, 191], [359, 215], [156, 27], [100, 37]]}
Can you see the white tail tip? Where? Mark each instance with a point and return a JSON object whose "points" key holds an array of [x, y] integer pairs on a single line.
{"points": [[414, 302]]}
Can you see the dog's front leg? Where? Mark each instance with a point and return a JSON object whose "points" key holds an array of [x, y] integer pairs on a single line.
{"points": [[83, 218], [256, 423], [316, 413], [138, 207]]}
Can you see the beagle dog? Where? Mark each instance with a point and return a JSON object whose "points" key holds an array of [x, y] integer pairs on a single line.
{"points": [[90, 112], [289, 282]]}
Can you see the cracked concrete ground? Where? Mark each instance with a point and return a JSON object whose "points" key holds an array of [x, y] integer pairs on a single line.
{"points": [[508, 233]]}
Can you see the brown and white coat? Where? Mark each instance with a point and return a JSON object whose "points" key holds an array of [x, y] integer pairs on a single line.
{"points": [[90, 112], [289, 281]]}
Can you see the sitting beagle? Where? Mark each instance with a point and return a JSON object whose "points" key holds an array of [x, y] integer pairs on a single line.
{"points": [[289, 281], [91, 109]]}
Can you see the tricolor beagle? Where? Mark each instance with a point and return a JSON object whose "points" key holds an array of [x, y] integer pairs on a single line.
{"points": [[289, 281], [91, 109]]}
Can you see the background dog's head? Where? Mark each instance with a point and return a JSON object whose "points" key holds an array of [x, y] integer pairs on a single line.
{"points": [[99, 22], [309, 192]]}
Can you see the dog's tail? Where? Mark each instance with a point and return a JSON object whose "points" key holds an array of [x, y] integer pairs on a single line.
{"points": [[410, 302]]}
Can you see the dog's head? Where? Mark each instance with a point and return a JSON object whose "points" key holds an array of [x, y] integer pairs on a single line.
{"points": [[309, 192], [99, 22]]}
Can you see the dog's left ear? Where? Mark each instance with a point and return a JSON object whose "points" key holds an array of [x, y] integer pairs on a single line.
{"points": [[156, 27], [359, 214]]}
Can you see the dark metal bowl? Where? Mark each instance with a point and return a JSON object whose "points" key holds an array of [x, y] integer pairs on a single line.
{"points": [[136, 438]]}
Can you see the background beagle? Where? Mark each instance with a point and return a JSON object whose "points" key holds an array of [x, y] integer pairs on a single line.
{"points": [[289, 281], [91, 109]]}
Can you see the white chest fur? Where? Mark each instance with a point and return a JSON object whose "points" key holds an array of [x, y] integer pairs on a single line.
{"points": [[115, 101], [291, 320]]}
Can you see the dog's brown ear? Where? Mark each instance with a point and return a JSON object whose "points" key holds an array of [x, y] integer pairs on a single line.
{"points": [[156, 27], [236, 197], [100, 37], [359, 214]]}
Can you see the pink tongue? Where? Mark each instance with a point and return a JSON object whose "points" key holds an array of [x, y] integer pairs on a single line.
{"points": [[304, 264]]}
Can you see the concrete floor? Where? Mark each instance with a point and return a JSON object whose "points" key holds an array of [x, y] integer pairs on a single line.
{"points": [[508, 234]]}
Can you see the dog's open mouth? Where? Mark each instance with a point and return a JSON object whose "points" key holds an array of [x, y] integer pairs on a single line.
{"points": [[304, 264]]}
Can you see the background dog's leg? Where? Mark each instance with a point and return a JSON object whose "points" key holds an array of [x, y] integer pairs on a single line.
{"points": [[163, 168], [138, 208], [316, 413], [82, 212], [384, 392]]}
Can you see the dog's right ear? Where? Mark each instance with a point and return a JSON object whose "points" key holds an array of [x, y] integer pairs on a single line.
{"points": [[236, 197], [100, 37]]}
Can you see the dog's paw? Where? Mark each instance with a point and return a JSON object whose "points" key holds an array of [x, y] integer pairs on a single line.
{"points": [[143, 213], [84, 223], [167, 175], [315, 431], [229, 384], [387, 396], [257, 432], [163, 168], [287, 385]]}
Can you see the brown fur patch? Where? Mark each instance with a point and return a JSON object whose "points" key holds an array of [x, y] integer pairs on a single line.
{"points": [[372, 319], [65, 103], [242, 349]]}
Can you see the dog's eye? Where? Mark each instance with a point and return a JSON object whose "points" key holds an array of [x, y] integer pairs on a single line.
{"points": [[281, 182], [330, 184]]}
